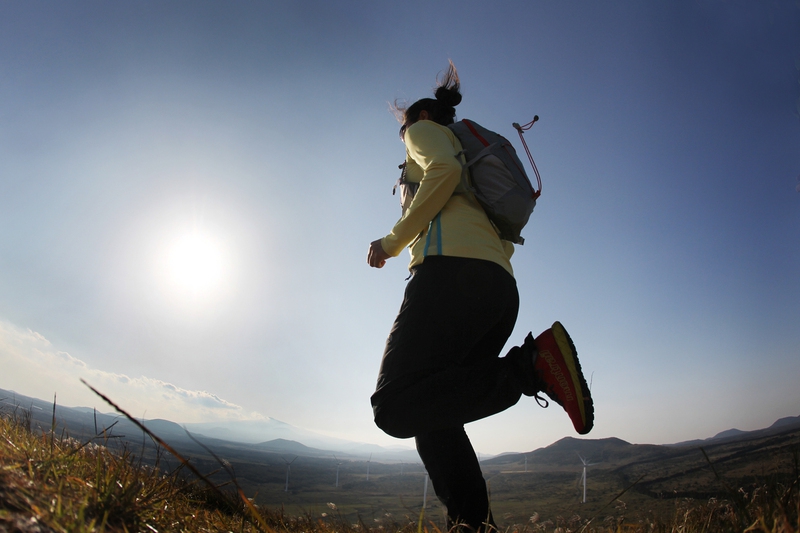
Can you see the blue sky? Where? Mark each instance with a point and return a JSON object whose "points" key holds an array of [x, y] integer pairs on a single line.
{"points": [[667, 237]]}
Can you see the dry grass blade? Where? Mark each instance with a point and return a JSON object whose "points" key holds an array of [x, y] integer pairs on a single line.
{"points": [[226, 466], [252, 508], [741, 504], [615, 498], [185, 462]]}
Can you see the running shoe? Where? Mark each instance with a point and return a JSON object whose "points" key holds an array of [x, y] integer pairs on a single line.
{"points": [[558, 374]]}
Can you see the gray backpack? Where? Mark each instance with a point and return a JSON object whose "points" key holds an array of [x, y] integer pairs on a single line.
{"points": [[497, 178], [494, 174]]}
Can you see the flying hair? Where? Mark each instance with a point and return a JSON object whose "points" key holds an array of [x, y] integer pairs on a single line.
{"points": [[448, 89], [441, 109]]}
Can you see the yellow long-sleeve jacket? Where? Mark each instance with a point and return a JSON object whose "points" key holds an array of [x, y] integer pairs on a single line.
{"points": [[439, 222]]}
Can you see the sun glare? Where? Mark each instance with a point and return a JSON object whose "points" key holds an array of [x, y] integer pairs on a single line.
{"points": [[195, 263]]}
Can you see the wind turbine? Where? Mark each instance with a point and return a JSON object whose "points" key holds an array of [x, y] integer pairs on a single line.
{"points": [[424, 502], [583, 477], [368, 460], [338, 464], [425, 492], [288, 467]]}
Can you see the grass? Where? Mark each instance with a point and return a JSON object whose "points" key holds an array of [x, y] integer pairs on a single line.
{"points": [[51, 482]]}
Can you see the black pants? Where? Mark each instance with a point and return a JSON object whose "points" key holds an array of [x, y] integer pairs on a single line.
{"points": [[441, 369]]}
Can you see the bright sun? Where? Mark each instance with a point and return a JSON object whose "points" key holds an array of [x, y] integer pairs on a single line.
{"points": [[195, 263]]}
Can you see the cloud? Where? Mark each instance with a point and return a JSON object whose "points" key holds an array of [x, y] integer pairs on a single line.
{"points": [[33, 367], [68, 359], [200, 398]]}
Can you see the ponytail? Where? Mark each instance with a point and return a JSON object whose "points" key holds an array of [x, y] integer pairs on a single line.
{"points": [[441, 109]]}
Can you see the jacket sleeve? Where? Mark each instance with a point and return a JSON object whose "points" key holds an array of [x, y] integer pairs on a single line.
{"points": [[433, 150]]}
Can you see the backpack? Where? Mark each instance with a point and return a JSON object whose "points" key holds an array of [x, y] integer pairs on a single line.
{"points": [[497, 178], [494, 174]]}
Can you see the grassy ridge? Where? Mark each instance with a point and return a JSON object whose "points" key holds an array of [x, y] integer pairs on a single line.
{"points": [[50, 482]]}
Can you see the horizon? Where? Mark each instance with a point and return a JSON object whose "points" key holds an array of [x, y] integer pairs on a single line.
{"points": [[188, 191], [346, 447]]}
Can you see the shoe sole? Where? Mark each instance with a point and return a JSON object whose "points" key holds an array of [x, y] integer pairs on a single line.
{"points": [[570, 356]]}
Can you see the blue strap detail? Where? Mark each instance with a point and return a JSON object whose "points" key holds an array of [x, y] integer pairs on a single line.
{"points": [[438, 225], [427, 239]]}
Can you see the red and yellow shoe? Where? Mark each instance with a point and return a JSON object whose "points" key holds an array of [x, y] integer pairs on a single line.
{"points": [[558, 374]]}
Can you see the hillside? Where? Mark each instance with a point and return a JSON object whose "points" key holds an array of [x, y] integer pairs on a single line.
{"points": [[55, 483], [259, 436], [651, 478]]}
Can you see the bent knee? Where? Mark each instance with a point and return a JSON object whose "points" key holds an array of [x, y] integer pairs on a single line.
{"points": [[391, 422]]}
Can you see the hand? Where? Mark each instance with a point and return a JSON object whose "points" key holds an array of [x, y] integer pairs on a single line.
{"points": [[376, 257]]}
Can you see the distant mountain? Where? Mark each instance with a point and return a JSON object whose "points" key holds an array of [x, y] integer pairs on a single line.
{"points": [[290, 446], [276, 437], [255, 431], [270, 430], [565, 452], [266, 436], [654, 478], [247, 431], [786, 422], [733, 434], [728, 433]]}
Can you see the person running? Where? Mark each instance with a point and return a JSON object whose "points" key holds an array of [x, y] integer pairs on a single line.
{"points": [[441, 366]]}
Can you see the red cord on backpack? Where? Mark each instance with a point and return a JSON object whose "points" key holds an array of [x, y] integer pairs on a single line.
{"points": [[520, 130]]}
